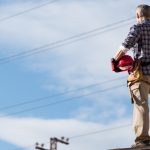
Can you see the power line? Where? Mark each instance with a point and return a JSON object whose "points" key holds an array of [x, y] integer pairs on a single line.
{"points": [[99, 131], [27, 10], [66, 41], [59, 94], [55, 44], [86, 134], [77, 136], [61, 101], [8, 107]]}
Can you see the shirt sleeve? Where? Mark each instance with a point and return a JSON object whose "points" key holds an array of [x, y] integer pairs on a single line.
{"points": [[132, 38]]}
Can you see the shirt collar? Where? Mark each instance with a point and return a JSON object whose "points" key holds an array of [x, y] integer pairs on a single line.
{"points": [[145, 20]]}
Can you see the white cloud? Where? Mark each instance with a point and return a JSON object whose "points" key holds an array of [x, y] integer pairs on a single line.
{"points": [[26, 131], [73, 65], [69, 67]]}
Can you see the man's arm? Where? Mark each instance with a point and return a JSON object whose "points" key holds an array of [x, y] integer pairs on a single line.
{"points": [[129, 42]]}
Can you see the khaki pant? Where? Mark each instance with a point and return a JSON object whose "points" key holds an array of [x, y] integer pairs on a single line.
{"points": [[140, 91]]}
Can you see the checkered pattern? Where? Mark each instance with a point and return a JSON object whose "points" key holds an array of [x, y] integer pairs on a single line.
{"points": [[139, 39]]}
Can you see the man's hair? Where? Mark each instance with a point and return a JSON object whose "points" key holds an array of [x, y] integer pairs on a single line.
{"points": [[143, 10]]}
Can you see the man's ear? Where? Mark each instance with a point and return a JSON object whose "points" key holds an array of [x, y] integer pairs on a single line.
{"points": [[137, 16]]}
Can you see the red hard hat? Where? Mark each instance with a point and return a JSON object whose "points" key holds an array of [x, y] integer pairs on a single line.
{"points": [[125, 63]]}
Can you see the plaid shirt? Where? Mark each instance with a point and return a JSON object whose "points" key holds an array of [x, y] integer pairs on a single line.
{"points": [[139, 39]]}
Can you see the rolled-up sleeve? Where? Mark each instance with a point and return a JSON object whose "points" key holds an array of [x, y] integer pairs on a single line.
{"points": [[132, 38]]}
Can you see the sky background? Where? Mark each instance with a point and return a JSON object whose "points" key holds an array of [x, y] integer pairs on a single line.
{"points": [[67, 89]]}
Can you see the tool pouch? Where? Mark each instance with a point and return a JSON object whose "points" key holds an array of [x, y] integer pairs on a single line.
{"points": [[134, 76], [136, 73]]}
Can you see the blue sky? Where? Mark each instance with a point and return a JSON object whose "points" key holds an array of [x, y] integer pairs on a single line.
{"points": [[63, 69]]}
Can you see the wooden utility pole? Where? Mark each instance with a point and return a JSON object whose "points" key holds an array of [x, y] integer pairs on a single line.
{"points": [[53, 143]]}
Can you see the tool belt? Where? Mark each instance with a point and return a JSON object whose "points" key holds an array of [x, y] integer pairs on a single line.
{"points": [[136, 75]]}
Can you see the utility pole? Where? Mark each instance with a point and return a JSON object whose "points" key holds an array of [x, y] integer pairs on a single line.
{"points": [[53, 143]]}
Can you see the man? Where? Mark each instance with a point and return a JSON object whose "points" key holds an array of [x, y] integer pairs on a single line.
{"points": [[139, 39]]}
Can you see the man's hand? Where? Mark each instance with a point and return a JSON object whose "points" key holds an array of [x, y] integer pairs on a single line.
{"points": [[119, 55], [114, 64]]}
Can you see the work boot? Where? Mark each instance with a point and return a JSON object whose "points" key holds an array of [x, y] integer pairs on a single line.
{"points": [[141, 144]]}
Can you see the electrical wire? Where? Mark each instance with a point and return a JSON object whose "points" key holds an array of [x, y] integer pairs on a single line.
{"points": [[79, 35], [27, 10], [54, 44], [66, 41], [99, 131], [60, 101], [76, 136], [86, 134], [58, 94]]}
